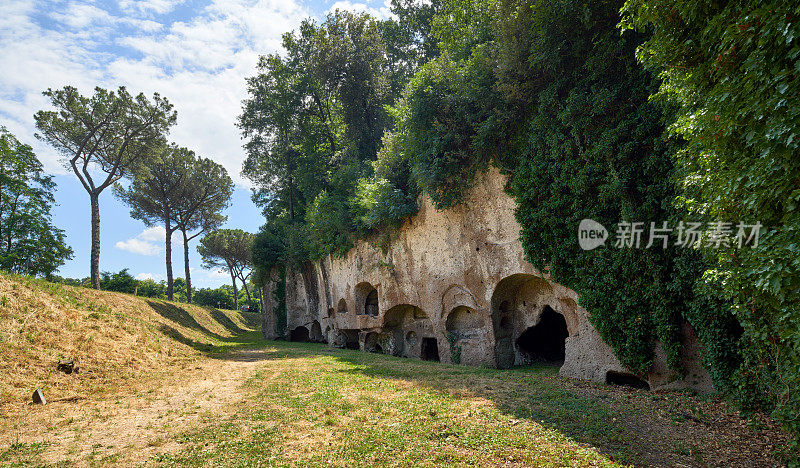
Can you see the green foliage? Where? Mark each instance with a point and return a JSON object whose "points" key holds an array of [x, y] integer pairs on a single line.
{"points": [[269, 250], [29, 243], [154, 196], [279, 294], [123, 282], [112, 132], [118, 282], [731, 70], [221, 297], [378, 203], [327, 221], [69, 281], [226, 248], [455, 348], [151, 288], [409, 39], [440, 122], [231, 250]]}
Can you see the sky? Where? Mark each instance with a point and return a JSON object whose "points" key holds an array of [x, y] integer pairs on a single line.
{"points": [[195, 53]]}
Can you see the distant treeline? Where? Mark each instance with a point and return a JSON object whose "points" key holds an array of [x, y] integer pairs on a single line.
{"points": [[122, 281]]}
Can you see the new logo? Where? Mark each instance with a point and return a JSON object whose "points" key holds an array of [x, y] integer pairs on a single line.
{"points": [[591, 234]]}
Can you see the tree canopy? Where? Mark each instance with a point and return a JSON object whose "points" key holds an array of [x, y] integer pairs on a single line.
{"points": [[231, 250], [208, 193], [103, 138], [29, 243], [157, 195], [314, 122]]}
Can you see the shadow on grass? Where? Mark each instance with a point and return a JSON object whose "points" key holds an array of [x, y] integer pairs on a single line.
{"points": [[225, 321], [582, 411], [222, 347], [180, 316]]}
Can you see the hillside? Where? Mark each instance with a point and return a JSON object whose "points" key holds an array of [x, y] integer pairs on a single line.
{"points": [[170, 384], [117, 340]]}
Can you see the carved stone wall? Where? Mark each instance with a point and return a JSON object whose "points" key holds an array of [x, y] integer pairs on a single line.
{"points": [[454, 285]]}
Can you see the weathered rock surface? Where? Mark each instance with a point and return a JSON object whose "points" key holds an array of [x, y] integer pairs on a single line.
{"points": [[454, 286], [67, 366], [38, 397]]}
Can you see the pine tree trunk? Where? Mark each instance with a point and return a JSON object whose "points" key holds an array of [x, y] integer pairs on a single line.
{"points": [[235, 291], [94, 264], [186, 267], [168, 244], [247, 291]]}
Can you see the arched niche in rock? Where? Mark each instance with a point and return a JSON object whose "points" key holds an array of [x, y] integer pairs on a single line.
{"points": [[406, 326], [528, 322], [366, 299]]}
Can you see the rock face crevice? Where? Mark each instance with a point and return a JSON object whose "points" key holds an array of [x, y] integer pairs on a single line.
{"points": [[454, 286]]}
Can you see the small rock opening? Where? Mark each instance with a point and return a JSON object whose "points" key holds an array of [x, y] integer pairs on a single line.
{"points": [[411, 338], [371, 303], [342, 307], [299, 334], [545, 342], [372, 343], [430, 349], [351, 339], [315, 334], [626, 380]]}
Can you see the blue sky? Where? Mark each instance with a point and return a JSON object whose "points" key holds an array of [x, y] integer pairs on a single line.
{"points": [[196, 53]]}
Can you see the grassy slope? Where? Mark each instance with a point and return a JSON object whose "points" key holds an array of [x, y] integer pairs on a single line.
{"points": [[117, 340]]}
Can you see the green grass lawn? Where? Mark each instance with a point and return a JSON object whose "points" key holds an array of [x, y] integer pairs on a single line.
{"points": [[310, 406]]}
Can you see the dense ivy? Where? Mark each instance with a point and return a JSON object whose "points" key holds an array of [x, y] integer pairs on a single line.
{"points": [[732, 70], [592, 148]]}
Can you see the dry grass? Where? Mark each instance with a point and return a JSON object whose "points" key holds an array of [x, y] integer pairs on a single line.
{"points": [[118, 341]]}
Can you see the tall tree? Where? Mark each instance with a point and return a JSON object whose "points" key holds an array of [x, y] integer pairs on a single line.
{"points": [[108, 136], [313, 122], [29, 243], [409, 39], [209, 190], [157, 195], [229, 249]]}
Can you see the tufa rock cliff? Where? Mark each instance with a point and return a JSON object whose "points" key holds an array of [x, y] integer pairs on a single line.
{"points": [[454, 286]]}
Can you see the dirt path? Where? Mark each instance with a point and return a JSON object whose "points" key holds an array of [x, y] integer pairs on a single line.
{"points": [[134, 427]]}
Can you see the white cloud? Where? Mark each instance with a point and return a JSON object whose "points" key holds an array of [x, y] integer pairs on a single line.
{"points": [[214, 274], [159, 7], [199, 64], [158, 234], [148, 276], [149, 241], [80, 16], [138, 246], [383, 11]]}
